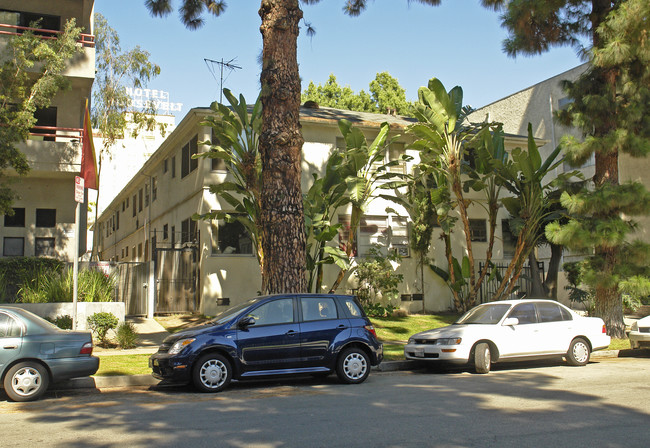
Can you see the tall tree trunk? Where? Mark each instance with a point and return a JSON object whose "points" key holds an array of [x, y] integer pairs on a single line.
{"points": [[280, 145], [538, 289], [550, 283]]}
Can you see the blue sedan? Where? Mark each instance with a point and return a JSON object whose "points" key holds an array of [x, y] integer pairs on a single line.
{"points": [[273, 335], [35, 353]]}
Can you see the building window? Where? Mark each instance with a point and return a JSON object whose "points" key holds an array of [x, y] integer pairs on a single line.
{"points": [[13, 247], [509, 239], [140, 194], [174, 166], [127, 202], [126, 251], [134, 205], [44, 247], [189, 230], [154, 189], [117, 220], [173, 235], [17, 220], [389, 232], [478, 230], [45, 118], [146, 195], [140, 251], [188, 164], [230, 238], [165, 165], [165, 232]]}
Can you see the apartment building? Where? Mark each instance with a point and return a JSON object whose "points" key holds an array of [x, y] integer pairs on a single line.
{"points": [[44, 220], [203, 266]]}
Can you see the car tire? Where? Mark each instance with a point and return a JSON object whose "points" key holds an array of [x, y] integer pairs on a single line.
{"points": [[353, 366], [482, 358], [26, 381], [579, 352], [212, 373]]}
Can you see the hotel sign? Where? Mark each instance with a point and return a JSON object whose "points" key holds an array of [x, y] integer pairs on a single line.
{"points": [[160, 98]]}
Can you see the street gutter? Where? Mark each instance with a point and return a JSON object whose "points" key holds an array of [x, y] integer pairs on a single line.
{"points": [[104, 382]]}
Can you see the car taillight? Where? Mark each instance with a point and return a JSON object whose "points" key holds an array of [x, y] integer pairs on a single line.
{"points": [[86, 349], [604, 329], [371, 329]]}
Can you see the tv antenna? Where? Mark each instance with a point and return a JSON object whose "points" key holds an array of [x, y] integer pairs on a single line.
{"points": [[211, 63]]}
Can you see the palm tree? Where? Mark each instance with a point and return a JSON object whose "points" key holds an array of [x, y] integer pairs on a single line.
{"points": [[283, 235]]}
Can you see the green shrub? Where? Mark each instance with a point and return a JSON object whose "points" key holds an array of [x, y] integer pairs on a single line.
{"points": [[378, 282], [17, 273], [64, 322], [100, 323], [49, 287], [126, 335]]}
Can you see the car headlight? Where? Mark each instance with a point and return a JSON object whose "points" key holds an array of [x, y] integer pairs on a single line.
{"points": [[635, 326], [448, 341], [180, 345]]}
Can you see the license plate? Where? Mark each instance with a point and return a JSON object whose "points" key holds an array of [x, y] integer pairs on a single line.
{"points": [[419, 352]]}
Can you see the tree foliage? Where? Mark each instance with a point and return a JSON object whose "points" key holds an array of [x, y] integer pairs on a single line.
{"points": [[386, 96], [31, 73]]}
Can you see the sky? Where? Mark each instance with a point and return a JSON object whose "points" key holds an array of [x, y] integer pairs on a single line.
{"points": [[459, 42]]}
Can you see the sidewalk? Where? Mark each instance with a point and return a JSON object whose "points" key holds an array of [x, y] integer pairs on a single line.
{"points": [[150, 336]]}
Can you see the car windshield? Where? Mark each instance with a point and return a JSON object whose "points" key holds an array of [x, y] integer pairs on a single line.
{"points": [[231, 312], [484, 314]]}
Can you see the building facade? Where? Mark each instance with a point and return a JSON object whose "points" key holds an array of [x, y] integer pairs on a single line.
{"points": [[44, 222], [203, 266]]}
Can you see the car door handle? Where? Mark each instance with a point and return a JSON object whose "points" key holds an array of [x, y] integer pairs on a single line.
{"points": [[341, 327], [10, 347], [292, 333]]}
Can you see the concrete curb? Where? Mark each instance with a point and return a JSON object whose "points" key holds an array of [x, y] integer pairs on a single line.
{"points": [[101, 382]]}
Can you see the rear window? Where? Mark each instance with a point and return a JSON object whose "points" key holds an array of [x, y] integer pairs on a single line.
{"points": [[353, 308], [9, 328]]}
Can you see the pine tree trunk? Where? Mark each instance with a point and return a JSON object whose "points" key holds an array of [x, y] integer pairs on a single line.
{"points": [[280, 145], [550, 283]]}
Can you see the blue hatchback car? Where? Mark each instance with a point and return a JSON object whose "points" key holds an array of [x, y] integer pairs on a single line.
{"points": [[273, 335]]}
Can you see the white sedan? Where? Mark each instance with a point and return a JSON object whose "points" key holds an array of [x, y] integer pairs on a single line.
{"points": [[509, 330], [640, 333]]}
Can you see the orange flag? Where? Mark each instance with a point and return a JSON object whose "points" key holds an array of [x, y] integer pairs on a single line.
{"points": [[88, 159]]}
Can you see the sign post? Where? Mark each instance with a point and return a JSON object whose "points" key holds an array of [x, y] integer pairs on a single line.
{"points": [[79, 199]]}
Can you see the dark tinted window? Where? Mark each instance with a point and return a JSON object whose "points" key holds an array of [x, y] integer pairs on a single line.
{"points": [[17, 220], [318, 309], [276, 312], [13, 246], [549, 312], [45, 217], [525, 312]]}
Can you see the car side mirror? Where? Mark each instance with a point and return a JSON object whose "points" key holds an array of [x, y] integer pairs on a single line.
{"points": [[246, 322], [511, 322]]}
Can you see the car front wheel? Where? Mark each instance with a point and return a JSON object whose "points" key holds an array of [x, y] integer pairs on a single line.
{"points": [[353, 366], [26, 381], [579, 352], [482, 358], [212, 373]]}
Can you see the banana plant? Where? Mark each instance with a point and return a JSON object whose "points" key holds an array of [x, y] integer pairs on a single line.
{"points": [[444, 139], [530, 205], [366, 174], [236, 130]]}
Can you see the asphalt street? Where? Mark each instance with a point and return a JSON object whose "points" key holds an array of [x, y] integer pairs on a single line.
{"points": [[605, 404]]}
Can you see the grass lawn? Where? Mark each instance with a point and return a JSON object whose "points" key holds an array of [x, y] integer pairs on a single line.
{"points": [[113, 365]]}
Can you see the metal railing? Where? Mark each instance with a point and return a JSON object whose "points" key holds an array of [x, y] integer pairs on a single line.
{"points": [[524, 283], [86, 40], [57, 134]]}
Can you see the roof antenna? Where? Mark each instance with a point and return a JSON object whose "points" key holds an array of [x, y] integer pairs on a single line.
{"points": [[222, 64]]}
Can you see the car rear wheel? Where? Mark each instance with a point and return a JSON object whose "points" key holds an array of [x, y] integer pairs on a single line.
{"points": [[579, 352], [482, 358], [26, 381], [212, 373], [353, 366]]}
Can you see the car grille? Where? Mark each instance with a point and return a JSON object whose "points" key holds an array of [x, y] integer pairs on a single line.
{"points": [[644, 330], [425, 341], [426, 355]]}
